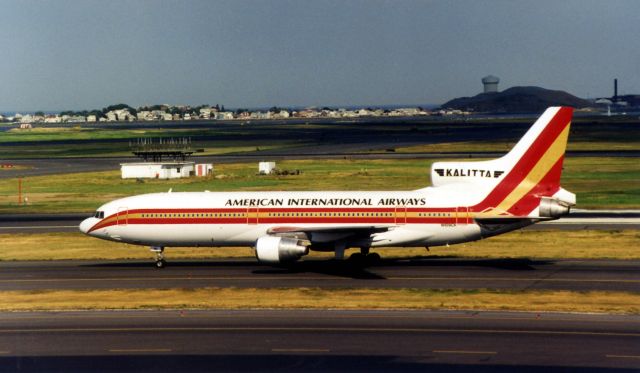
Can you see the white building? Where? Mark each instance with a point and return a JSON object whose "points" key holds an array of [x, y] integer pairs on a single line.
{"points": [[76, 119], [207, 112], [204, 169], [157, 170], [27, 118], [124, 115], [265, 168], [145, 115], [53, 119], [223, 115]]}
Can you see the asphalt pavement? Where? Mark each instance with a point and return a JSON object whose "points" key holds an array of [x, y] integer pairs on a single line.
{"points": [[317, 340], [422, 273]]}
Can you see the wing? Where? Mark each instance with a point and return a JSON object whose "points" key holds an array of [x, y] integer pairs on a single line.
{"points": [[326, 235]]}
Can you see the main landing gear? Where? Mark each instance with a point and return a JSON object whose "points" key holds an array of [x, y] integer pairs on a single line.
{"points": [[160, 263], [364, 257]]}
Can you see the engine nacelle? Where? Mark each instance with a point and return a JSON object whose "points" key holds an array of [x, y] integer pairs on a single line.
{"points": [[272, 249], [552, 208]]}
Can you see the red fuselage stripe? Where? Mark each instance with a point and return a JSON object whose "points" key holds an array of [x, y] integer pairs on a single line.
{"points": [[279, 216]]}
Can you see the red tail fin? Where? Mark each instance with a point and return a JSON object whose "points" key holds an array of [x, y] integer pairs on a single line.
{"points": [[533, 167]]}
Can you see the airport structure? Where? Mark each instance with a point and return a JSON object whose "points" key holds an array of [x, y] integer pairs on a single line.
{"points": [[490, 83], [157, 170], [266, 168], [175, 153], [204, 169]]}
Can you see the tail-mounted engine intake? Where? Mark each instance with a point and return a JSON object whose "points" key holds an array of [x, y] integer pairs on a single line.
{"points": [[553, 208], [272, 249]]}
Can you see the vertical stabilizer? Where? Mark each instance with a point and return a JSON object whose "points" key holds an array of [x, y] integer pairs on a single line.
{"points": [[518, 182]]}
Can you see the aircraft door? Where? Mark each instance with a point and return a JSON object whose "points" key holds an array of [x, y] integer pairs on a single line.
{"points": [[462, 215], [252, 215], [401, 214]]}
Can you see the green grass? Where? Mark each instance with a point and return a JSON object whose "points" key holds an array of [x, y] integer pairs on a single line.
{"points": [[598, 182], [603, 182], [86, 191]]}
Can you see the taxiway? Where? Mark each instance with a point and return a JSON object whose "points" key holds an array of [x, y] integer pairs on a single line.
{"points": [[316, 340], [422, 273]]}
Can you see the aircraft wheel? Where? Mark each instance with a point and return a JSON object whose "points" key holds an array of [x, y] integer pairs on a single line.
{"points": [[356, 256], [160, 263], [373, 258], [358, 259]]}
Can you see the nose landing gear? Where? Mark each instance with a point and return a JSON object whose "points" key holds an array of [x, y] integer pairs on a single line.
{"points": [[158, 250]]}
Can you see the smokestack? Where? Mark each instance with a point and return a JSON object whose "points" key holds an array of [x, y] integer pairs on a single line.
{"points": [[615, 90]]}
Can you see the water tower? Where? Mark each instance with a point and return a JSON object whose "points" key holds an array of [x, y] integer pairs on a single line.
{"points": [[490, 83]]}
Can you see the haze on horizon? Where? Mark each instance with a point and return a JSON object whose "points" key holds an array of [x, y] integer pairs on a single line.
{"points": [[87, 54]]}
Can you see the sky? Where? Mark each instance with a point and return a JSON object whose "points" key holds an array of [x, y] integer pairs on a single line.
{"points": [[85, 54]]}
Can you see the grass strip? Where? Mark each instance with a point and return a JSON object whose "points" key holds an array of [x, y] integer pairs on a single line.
{"points": [[597, 182], [553, 244], [315, 298]]}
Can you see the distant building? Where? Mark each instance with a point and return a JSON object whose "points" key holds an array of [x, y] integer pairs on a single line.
{"points": [[27, 118], [157, 170], [265, 168], [490, 83], [76, 119], [204, 169], [53, 119], [224, 115], [205, 112], [111, 116]]}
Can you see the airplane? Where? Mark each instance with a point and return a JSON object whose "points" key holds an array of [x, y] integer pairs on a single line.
{"points": [[468, 201]]}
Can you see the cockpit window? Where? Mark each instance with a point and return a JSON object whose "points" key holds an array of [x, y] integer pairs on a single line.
{"points": [[99, 214]]}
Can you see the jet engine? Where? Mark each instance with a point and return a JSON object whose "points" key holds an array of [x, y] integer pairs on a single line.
{"points": [[553, 208], [273, 249]]}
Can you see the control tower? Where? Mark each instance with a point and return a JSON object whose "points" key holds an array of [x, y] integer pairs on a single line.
{"points": [[490, 83]]}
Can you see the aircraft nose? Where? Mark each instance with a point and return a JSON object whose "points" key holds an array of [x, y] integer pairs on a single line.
{"points": [[86, 225]]}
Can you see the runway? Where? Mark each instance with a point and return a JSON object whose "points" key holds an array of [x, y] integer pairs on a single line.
{"points": [[41, 223], [317, 340], [55, 166], [423, 273]]}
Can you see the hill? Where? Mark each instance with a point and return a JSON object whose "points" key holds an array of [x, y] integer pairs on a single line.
{"points": [[516, 100]]}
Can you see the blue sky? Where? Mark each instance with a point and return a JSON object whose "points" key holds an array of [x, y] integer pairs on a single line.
{"points": [[85, 54]]}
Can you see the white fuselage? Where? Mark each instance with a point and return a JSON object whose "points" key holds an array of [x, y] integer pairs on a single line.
{"points": [[414, 218]]}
